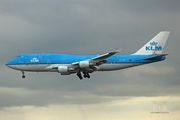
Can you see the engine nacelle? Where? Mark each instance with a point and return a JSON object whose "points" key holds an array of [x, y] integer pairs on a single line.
{"points": [[84, 64], [63, 69]]}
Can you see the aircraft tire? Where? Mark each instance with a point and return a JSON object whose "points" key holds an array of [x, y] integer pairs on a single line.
{"points": [[23, 76]]}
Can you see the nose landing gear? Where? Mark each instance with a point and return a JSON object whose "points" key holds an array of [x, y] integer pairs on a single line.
{"points": [[23, 76]]}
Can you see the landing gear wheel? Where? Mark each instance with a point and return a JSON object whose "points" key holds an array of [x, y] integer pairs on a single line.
{"points": [[86, 75], [23, 76], [79, 75]]}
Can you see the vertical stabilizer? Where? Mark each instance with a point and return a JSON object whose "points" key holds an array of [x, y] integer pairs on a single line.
{"points": [[155, 45]]}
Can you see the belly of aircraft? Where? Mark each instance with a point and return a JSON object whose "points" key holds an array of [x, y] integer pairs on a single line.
{"points": [[32, 68], [44, 67], [108, 67]]}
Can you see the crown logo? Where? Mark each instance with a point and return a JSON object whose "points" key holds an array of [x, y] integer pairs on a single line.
{"points": [[153, 43]]}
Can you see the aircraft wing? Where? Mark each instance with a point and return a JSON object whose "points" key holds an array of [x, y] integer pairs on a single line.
{"points": [[106, 55], [98, 60]]}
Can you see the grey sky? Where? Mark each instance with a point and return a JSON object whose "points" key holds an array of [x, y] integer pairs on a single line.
{"points": [[87, 27]]}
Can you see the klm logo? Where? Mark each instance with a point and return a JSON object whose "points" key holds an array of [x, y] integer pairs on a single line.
{"points": [[153, 47], [34, 60]]}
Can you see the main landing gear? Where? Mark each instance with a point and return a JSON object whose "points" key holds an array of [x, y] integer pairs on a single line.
{"points": [[86, 75], [23, 76]]}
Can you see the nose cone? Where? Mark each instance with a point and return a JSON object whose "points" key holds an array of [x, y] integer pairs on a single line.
{"points": [[9, 63]]}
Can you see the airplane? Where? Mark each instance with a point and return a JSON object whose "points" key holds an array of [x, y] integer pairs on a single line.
{"points": [[83, 65]]}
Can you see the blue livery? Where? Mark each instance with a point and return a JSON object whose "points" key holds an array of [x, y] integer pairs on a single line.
{"points": [[82, 65]]}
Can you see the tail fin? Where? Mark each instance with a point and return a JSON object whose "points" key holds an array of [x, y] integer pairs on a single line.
{"points": [[155, 45]]}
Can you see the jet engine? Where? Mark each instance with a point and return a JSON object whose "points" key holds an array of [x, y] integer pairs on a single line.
{"points": [[63, 69], [84, 64]]}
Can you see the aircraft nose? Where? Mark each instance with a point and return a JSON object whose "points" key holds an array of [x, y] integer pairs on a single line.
{"points": [[9, 63]]}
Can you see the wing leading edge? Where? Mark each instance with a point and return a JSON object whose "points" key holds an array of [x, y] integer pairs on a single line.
{"points": [[98, 60]]}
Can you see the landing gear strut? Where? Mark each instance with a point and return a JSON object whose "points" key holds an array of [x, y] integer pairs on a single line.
{"points": [[23, 76], [79, 75], [86, 75]]}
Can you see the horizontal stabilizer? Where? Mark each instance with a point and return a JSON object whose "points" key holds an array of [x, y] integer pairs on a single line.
{"points": [[155, 57]]}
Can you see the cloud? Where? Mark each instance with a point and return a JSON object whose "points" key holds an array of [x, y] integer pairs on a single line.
{"points": [[86, 27], [149, 70], [138, 108], [24, 97], [153, 6]]}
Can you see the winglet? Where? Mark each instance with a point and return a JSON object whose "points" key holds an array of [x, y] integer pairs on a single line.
{"points": [[106, 55], [118, 50]]}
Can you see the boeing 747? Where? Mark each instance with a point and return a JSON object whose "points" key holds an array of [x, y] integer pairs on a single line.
{"points": [[83, 65]]}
